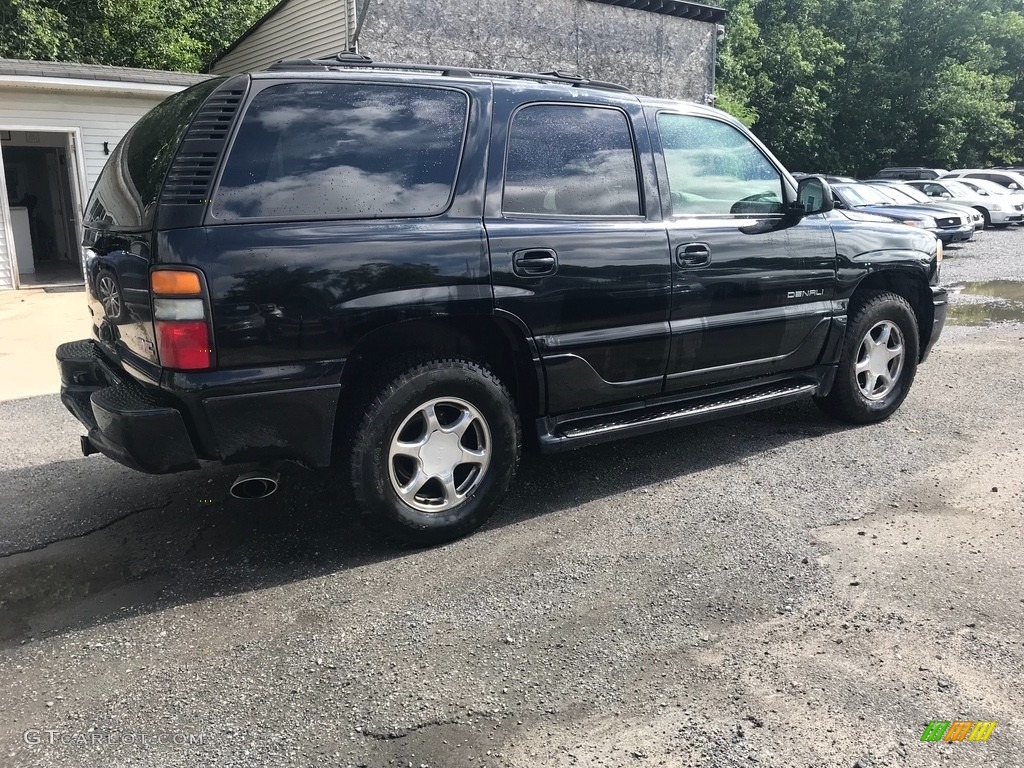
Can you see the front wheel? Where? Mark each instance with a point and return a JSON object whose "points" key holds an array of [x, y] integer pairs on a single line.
{"points": [[436, 450], [878, 361]]}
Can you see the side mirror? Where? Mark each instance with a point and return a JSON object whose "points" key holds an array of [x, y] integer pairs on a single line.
{"points": [[814, 195], [1013, 185]]}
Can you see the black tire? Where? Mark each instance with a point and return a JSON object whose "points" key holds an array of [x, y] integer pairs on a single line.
{"points": [[872, 313], [109, 293], [986, 217], [449, 388]]}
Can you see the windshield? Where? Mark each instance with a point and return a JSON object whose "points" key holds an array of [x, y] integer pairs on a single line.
{"points": [[910, 193], [861, 194], [959, 189], [895, 195]]}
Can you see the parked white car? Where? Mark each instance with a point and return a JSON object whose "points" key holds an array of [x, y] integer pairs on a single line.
{"points": [[999, 211], [1009, 179], [986, 188]]}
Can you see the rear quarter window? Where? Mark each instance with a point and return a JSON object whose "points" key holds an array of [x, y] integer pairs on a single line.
{"points": [[344, 150], [128, 187]]}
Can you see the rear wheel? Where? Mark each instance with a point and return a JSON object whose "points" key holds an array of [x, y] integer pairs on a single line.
{"points": [[878, 362], [436, 450]]}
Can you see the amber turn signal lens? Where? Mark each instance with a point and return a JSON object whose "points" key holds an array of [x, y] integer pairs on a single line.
{"points": [[175, 282]]}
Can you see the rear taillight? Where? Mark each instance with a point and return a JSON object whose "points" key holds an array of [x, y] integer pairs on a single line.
{"points": [[180, 314]]}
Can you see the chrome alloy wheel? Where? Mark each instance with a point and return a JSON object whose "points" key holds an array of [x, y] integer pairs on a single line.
{"points": [[880, 360], [109, 295], [439, 454]]}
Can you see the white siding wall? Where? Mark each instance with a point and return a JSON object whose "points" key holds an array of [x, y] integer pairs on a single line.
{"points": [[101, 117], [300, 29]]}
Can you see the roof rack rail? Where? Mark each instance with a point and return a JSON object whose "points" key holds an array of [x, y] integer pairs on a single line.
{"points": [[359, 61]]}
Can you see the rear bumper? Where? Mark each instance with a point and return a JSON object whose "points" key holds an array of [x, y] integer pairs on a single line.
{"points": [[130, 424], [940, 306], [219, 416]]}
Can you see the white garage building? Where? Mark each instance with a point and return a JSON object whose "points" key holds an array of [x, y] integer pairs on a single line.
{"points": [[58, 123]]}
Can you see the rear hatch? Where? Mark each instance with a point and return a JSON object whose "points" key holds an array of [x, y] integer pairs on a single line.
{"points": [[119, 227]]}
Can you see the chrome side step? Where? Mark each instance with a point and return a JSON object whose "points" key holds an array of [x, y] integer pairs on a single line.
{"points": [[662, 417]]}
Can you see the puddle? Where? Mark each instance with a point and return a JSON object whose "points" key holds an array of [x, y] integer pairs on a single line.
{"points": [[995, 301]]}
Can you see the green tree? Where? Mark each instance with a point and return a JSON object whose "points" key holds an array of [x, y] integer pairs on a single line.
{"points": [[850, 86], [158, 34]]}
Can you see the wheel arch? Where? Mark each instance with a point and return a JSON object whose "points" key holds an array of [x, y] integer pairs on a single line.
{"points": [[987, 217], [498, 341], [913, 286]]}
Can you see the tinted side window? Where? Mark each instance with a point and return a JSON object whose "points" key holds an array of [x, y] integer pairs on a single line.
{"points": [[714, 169], [568, 160], [131, 179], [315, 150], [998, 178]]}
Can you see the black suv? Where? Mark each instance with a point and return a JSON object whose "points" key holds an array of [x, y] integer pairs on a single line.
{"points": [[914, 173], [397, 270]]}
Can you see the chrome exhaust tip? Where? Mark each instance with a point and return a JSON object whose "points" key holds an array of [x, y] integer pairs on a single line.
{"points": [[255, 485]]}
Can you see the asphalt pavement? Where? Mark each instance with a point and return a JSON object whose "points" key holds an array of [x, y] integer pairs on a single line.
{"points": [[776, 589]]}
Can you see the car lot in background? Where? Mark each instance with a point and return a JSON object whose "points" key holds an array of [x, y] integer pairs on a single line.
{"points": [[997, 212], [903, 194], [869, 198]]}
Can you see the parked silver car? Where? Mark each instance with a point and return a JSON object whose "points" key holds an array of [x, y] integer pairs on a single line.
{"points": [[998, 212]]}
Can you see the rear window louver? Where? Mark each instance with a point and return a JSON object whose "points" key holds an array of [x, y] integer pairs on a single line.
{"points": [[190, 178]]}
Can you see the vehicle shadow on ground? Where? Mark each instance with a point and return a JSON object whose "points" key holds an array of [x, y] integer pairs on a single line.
{"points": [[174, 541]]}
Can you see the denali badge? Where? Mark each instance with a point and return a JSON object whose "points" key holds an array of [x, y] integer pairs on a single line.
{"points": [[801, 294]]}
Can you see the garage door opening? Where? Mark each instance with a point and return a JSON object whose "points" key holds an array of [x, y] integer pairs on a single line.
{"points": [[40, 176]]}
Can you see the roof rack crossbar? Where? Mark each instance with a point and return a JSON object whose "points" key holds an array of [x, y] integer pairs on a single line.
{"points": [[346, 59]]}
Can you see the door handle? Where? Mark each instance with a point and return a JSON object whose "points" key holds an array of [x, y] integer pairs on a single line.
{"points": [[693, 255], [534, 262]]}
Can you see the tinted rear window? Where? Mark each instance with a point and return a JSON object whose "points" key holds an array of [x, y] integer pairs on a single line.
{"points": [[126, 191], [326, 150]]}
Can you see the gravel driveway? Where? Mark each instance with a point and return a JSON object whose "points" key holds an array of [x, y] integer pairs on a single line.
{"points": [[773, 590]]}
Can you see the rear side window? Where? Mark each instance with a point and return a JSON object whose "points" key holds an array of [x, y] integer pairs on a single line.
{"points": [[329, 150], [568, 160], [130, 183], [714, 169]]}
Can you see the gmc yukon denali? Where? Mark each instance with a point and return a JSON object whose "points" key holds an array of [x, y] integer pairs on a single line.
{"points": [[405, 272]]}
